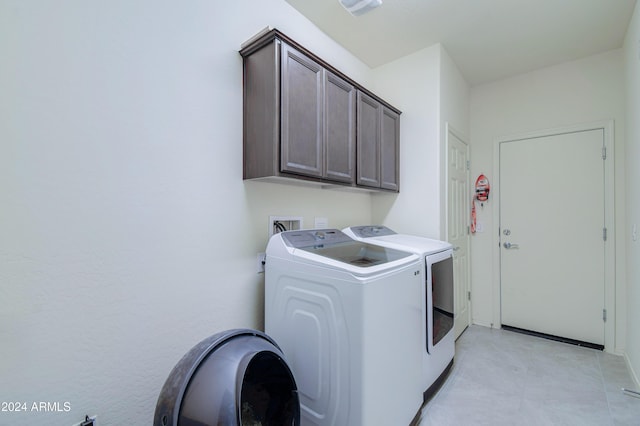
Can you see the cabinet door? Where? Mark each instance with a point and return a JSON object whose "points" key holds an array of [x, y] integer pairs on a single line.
{"points": [[368, 141], [390, 136], [340, 129], [302, 114]]}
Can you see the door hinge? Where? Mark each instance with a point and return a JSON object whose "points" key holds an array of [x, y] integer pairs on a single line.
{"points": [[468, 164], [604, 234], [604, 315], [604, 152], [469, 295], [468, 231]]}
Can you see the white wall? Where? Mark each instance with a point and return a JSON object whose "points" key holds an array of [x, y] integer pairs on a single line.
{"points": [[454, 111], [412, 84], [587, 90], [430, 90], [126, 232], [632, 157]]}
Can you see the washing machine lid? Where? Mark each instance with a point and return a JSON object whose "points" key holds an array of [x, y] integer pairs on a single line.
{"points": [[384, 235], [336, 245]]}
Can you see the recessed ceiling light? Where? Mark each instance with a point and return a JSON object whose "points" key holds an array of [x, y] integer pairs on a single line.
{"points": [[360, 7]]}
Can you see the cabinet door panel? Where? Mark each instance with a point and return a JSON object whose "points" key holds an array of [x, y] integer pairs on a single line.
{"points": [[302, 110], [340, 129], [389, 149], [368, 141], [261, 118]]}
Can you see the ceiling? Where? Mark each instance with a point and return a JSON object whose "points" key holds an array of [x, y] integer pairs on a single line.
{"points": [[488, 39]]}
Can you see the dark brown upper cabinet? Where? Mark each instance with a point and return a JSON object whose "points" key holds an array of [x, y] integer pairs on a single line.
{"points": [[377, 144], [340, 128], [302, 114], [317, 119], [390, 150], [302, 118]]}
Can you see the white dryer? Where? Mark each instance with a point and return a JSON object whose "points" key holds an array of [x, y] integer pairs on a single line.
{"points": [[436, 325], [344, 314]]}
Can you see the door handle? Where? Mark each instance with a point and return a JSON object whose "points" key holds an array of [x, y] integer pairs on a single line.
{"points": [[510, 246], [456, 248]]}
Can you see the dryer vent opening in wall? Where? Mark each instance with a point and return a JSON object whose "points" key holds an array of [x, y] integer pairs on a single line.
{"points": [[279, 224]]}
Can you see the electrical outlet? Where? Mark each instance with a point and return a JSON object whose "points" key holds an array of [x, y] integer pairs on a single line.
{"points": [[278, 224], [261, 260], [321, 223], [88, 421]]}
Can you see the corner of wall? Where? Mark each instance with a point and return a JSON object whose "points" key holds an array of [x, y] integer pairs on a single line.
{"points": [[453, 115], [632, 157], [411, 83]]}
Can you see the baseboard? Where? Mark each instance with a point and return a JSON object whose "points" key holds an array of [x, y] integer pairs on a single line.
{"points": [[482, 324], [561, 339]]}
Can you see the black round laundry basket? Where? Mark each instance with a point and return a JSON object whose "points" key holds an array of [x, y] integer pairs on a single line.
{"points": [[237, 377]]}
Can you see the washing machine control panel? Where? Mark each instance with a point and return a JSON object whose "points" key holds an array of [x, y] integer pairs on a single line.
{"points": [[313, 237], [371, 231]]}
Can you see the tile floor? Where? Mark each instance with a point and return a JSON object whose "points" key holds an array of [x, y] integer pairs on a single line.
{"points": [[506, 378]]}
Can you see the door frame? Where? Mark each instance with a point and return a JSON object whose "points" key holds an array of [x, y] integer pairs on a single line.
{"points": [[450, 130], [609, 219]]}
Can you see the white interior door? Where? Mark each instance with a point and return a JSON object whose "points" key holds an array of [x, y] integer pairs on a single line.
{"points": [[457, 228], [552, 206]]}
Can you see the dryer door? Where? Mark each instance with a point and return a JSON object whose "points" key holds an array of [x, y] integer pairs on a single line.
{"points": [[439, 297]]}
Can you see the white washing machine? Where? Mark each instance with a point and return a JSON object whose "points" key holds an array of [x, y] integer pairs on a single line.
{"points": [[344, 314], [437, 331]]}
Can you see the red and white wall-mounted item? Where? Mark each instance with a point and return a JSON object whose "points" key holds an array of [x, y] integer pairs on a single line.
{"points": [[480, 194]]}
